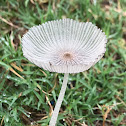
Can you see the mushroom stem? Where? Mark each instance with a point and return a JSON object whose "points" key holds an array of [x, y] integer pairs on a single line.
{"points": [[59, 101]]}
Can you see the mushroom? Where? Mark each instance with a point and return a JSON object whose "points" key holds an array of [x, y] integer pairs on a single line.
{"points": [[64, 46]]}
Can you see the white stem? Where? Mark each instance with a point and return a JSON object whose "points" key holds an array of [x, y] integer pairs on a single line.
{"points": [[59, 101]]}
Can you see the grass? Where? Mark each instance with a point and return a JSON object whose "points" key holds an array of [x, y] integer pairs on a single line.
{"points": [[27, 93]]}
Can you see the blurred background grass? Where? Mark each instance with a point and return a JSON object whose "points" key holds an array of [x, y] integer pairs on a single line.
{"points": [[27, 93]]}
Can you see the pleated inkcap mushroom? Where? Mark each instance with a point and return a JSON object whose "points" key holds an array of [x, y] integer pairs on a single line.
{"points": [[64, 46]]}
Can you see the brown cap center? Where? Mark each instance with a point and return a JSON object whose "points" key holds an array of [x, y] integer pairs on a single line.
{"points": [[67, 56]]}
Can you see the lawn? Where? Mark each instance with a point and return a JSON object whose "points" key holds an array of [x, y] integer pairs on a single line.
{"points": [[96, 97]]}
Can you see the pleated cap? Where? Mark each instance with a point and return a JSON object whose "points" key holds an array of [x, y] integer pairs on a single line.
{"points": [[64, 46]]}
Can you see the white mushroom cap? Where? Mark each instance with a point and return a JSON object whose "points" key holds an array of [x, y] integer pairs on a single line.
{"points": [[64, 46]]}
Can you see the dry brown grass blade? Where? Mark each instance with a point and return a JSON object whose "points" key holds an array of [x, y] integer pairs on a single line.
{"points": [[51, 108], [43, 72], [80, 123], [2, 121], [84, 124], [8, 22], [106, 113], [118, 4], [32, 1], [77, 121], [54, 84], [109, 108], [121, 100], [12, 70], [16, 67], [39, 1], [68, 121], [42, 90], [20, 95], [45, 117], [23, 64], [42, 1]]}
